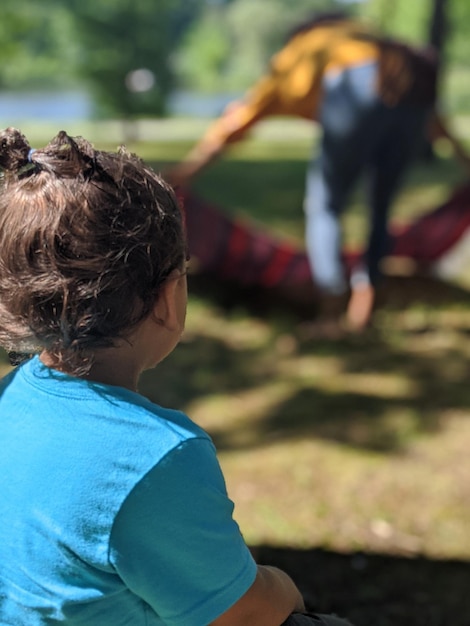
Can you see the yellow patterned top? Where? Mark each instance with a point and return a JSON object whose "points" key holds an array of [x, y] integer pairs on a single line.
{"points": [[293, 84]]}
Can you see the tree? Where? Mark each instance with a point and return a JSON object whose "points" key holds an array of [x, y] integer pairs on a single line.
{"points": [[37, 45], [120, 49], [125, 46], [230, 45], [438, 27], [200, 62], [131, 53], [400, 18]]}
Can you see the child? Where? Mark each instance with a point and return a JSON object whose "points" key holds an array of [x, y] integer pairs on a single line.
{"points": [[113, 510]]}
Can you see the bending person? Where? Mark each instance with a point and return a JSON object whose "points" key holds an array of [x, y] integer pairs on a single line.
{"points": [[371, 97]]}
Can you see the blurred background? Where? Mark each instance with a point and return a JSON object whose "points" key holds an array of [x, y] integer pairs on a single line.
{"points": [[128, 60], [348, 461]]}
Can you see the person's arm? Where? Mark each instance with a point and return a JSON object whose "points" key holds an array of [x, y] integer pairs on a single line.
{"points": [[269, 601], [207, 150], [237, 119], [439, 129]]}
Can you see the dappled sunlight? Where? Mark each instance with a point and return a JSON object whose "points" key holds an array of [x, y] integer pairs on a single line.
{"points": [[407, 504], [248, 384], [347, 459], [237, 420], [360, 442], [331, 371]]}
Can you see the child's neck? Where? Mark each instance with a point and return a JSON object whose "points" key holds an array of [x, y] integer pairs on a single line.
{"points": [[122, 364], [116, 371], [110, 367]]}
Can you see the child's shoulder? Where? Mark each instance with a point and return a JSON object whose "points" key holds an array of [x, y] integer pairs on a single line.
{"points": [[171, 419], [98, 410], [134, 417]]}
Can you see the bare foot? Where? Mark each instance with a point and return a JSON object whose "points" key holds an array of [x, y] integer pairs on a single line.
{"points": [[360, 307]]}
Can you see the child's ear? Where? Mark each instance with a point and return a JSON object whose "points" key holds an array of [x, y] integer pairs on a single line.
{"points": [[165, 308]]}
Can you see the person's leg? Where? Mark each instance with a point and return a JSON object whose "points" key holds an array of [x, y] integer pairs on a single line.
{"points": [[348, 111], [391, 160], [397, 135], [348, 97], [312, 619], [324, 201]]}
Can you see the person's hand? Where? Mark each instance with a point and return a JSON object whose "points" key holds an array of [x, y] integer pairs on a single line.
{"points": [[179, 175], [438, 129], [203, 153]]}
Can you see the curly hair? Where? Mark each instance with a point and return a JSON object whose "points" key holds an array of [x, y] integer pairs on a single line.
{"points": [[87, 238]]}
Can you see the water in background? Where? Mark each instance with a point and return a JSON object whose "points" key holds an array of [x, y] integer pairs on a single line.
{"points": [[77, 105], [186, 103], [58, 107]]}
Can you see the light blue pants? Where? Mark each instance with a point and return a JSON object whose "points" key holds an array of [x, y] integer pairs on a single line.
{"points": [[361, 137]]}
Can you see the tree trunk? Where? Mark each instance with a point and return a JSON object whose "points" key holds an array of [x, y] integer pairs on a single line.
{"points": [[438, 25], [437, 38]]}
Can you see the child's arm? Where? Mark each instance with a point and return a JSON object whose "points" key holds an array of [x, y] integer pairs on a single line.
{"points": [[176, 542], [269, 601]]}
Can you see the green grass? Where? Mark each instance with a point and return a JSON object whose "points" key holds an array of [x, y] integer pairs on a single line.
{"points": [[352, 445], [358, 444]]}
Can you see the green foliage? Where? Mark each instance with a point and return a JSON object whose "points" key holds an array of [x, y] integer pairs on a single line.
{"points": [[37, 45], [252, 47], [98, 42], [400, 18], [204, 52], [206, 45], [230, 46], [119, 37], [411, 21], [459, 43]]}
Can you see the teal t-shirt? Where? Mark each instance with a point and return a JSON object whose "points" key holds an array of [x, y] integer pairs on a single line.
{"points": [[113, 510]]}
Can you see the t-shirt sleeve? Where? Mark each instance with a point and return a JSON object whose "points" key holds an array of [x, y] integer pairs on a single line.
{"points": [[175, 543], [291, 87]]}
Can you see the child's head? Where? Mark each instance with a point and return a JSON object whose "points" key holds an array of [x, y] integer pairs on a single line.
{"points": [[87, 238]]}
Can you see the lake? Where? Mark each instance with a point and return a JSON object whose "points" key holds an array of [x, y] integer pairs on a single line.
{"points": [[78, 105]]}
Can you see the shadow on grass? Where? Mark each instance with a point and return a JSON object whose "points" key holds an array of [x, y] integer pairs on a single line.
{"points": [[270, 190], [359, 417], [376, 589]]}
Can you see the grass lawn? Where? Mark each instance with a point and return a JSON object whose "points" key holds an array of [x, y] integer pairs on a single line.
{"points": [[353, 445]]}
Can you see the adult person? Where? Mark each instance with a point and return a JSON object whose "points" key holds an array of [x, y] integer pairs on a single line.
{"points": [[113, 509], [371, 97]]}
